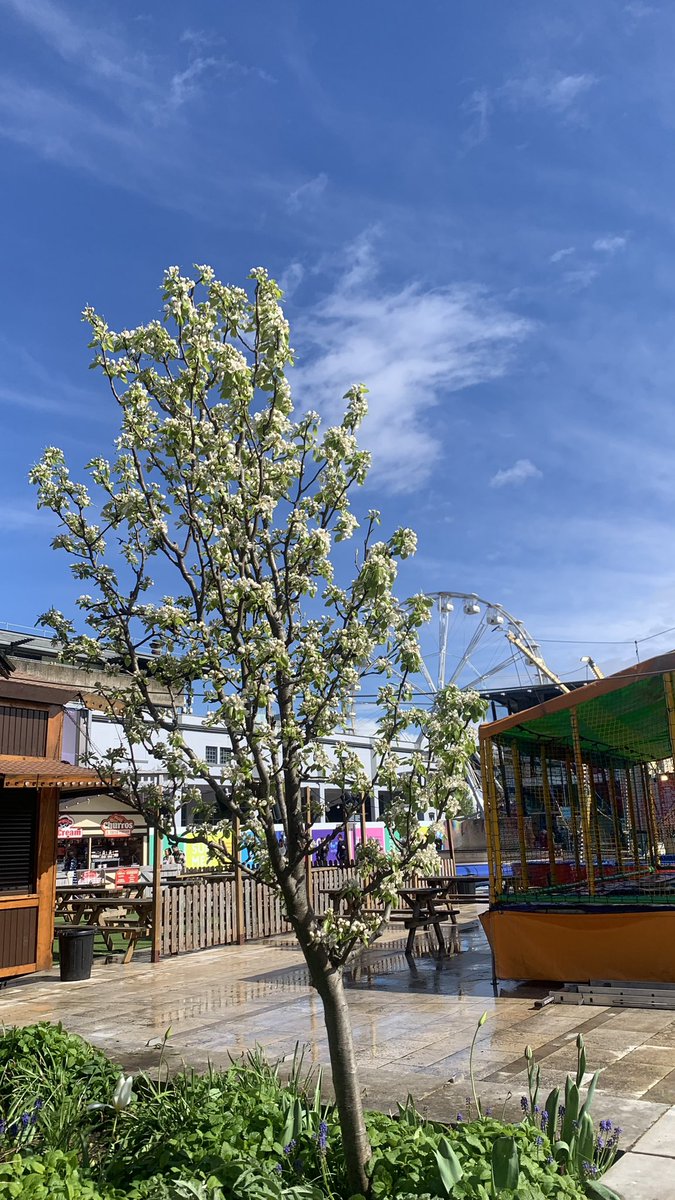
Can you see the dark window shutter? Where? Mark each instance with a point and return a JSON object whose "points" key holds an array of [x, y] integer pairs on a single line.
{"points": [[18, 834]]}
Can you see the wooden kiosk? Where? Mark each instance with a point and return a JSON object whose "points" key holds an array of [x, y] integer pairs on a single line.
{"points": [[580, 822], [32, 778]]}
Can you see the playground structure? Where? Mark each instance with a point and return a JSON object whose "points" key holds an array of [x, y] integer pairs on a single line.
{"points": [[579, 808]]}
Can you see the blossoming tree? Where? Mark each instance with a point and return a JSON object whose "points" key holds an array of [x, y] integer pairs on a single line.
{"points": [[216, 538]]}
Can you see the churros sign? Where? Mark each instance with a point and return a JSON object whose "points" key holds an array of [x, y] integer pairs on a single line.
{"points": [[117, 825]]}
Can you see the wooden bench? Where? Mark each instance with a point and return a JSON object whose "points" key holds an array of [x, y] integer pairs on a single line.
{"points": [[132, 931]]}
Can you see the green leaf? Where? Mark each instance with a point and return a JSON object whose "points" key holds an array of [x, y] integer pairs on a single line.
{"points": [[571, 1111], [449, 1167], [505, 1164], [589, 1095], [585, 1143], [551, 1107], [599, 1191]]}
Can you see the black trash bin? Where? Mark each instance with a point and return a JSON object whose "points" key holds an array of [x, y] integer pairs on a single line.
{"points": [[76, 952]]}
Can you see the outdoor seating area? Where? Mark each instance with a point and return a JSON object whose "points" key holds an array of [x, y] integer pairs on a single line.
{"points": [[123, 914]]}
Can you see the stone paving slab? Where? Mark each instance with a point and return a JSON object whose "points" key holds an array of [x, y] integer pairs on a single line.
{"points": [[642, 1177], [412, 1027]]}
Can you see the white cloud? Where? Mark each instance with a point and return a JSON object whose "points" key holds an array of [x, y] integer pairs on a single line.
{"points": [[16, 517], [637, 11], [516, 475], [291, 278], [558, 92], [308, 192], [478, 107], [185, 84], [609, 244], [582, 277], [560, 254], [412, 347]]}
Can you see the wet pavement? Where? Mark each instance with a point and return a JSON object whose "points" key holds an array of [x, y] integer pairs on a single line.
{"points": [[413, 1023]]}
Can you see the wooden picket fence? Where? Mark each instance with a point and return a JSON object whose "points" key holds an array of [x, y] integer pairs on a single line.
{"points": [[196, 916], [199, 915]]}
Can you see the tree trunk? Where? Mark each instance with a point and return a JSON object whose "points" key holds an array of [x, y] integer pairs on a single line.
{"points": [[355, 1143]]}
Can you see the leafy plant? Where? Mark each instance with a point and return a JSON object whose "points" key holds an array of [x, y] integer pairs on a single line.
{"points": [[47, 1079], [52, 1176], [577, 1148]]}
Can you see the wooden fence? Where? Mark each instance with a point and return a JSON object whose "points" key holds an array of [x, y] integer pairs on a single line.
{"points": [[196, 916]]}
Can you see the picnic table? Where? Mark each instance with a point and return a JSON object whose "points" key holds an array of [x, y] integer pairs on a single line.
{"points": [[427, 907], [64, 895], [94, 910], [460, 888]]}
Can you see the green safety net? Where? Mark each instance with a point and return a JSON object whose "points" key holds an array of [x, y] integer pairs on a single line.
{"points": [[629, 724]]}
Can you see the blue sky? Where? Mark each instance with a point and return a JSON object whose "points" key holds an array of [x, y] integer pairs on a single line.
{"points": [[470, 206]]}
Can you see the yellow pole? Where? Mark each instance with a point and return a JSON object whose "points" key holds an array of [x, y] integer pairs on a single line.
{"points": [[494, 820], [611, 779], [670, 709], [550, 839], [573, 815], [584, 802], [633, 820], [520, 815], [650, 813], [485, 750]]}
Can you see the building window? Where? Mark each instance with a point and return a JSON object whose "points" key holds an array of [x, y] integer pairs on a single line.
{"points": [[225, 755], [212, 755]]}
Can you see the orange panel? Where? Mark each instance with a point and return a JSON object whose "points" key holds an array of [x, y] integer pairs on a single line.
{"points": [[577, 947]]}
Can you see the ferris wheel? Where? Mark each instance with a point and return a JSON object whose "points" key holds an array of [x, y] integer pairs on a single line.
{"points": [[471, 642]]}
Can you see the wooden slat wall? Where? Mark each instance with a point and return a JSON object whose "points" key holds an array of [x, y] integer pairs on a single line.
{"points": [[23, 730], [18, 936]]}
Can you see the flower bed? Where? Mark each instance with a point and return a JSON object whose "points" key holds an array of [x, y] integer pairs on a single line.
{"points": [[74, 1129]]}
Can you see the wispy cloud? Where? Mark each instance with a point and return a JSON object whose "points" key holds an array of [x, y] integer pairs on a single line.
{"points": [[559, 93], [291, 278], [412, 347], [609, 244], [16, 517], [118, 112], [514, 476], [478, 107], [638, 12], [559, 255], [581, 277], [307, 193], [185, 84]]}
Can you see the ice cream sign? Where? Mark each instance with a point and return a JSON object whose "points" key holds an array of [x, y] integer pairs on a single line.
{"points": [[68, 829], [117, 825]]}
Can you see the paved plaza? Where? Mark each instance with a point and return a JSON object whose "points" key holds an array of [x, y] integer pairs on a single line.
{"points": [[412, 1025]]}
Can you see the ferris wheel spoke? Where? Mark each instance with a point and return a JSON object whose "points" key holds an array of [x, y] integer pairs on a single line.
{"points": [[492, 671], [464, 660]]}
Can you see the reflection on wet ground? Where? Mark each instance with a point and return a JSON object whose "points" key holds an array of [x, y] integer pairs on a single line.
{"points": [[413, 1021]]}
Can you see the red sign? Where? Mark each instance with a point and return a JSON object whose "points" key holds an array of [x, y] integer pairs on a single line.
{"points": [[88, 876], [68, 829], [127, 875], [117, 825]]}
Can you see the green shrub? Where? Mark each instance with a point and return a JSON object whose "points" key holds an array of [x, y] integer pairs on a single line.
{"points": [[220, 1125], [51, 1176], [47, 1079], [405, 1160]]}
